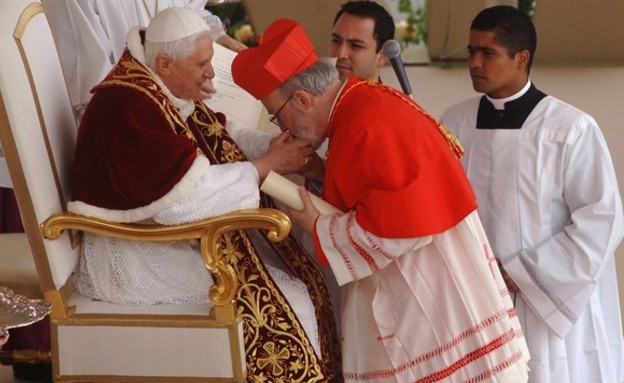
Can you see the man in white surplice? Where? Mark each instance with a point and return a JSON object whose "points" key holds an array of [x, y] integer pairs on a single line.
{"points": [[549, 202]]}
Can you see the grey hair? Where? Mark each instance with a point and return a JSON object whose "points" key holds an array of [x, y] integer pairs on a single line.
{"points": [[315, 79], [178, 49]]}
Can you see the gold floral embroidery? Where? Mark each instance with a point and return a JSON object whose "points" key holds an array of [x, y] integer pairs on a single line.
{"points": [[275, 358], [272, 320]]}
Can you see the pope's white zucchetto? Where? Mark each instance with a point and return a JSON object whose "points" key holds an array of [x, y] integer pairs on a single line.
{"points": [[174, 24]]}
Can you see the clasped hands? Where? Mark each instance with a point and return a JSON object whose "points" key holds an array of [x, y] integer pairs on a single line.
{"points": [[287, 155]]}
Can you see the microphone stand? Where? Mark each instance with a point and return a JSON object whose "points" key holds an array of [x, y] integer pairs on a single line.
{"points": [[392, 49]]}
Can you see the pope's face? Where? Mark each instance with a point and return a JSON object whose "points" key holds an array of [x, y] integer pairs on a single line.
{"points": [[491, 69], [354, 46], [187, 75]]}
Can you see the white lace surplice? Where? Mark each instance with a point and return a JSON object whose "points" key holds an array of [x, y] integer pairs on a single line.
{"points": [[146, 273]]}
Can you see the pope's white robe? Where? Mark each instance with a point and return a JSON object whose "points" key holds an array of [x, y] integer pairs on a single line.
{"points": [[550, 205]]}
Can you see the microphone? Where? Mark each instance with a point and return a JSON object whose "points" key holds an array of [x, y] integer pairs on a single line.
{"points": [[392, 49]]}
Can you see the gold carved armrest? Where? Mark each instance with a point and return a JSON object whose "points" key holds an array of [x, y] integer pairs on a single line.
{"points": [[209, 231]]}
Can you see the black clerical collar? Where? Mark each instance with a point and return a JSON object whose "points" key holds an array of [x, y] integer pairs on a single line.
{"points": [[514, 115]]}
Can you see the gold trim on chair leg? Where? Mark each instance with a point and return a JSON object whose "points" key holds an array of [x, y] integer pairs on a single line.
{"points": [[239, 365], [60, 310]]}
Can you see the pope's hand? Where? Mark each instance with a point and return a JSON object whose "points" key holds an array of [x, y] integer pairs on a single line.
{"points": [[286, 155]]}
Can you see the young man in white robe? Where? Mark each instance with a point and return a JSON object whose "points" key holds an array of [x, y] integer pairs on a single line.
{"points": [[549, 202]]}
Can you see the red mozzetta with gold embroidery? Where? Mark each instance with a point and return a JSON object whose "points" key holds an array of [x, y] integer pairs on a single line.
{"points": [[393, 164]]}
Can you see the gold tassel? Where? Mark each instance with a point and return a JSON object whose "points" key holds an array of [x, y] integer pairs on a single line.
{"points": [[452, 141]]}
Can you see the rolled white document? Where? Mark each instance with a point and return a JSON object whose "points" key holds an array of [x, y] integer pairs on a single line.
{"points": [[286, 191]]}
